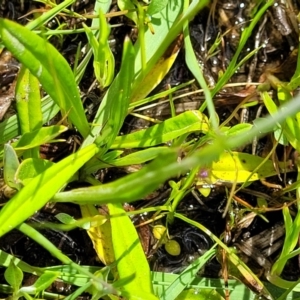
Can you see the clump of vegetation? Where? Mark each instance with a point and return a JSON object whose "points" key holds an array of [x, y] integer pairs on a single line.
{"points": [[189, 160]]}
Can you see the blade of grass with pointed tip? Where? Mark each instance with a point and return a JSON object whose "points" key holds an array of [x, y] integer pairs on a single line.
{"points": [[130, 257], [135, 158], [41, 188], [194, 67], [187, 122], [187, 276], [49, 66]]}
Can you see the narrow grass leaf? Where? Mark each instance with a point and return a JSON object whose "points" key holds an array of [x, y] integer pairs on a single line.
{"points": [[48, 15], [36, 236], [244, 37], [130, 257], [6, 259], [42, 283], [41, 188], [30, 168], [135, 158], [242, 268], [187, 276], [194, 67], [187, 122], [49, 66]]}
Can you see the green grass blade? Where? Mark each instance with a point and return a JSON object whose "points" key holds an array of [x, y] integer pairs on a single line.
{"points": [[193, 66], [48, 15], [187, 276], [41, 188], [135, 158], [187, 122], [49, 66], [130, 257], [45, 243]]}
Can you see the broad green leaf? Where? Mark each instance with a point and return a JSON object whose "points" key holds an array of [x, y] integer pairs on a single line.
{"points": [[11, 164], [166, 30], [28, 101], [238, 167], [187, 122], [49, 66], [14, 276], [156, 6], [41, 188], [65, 218], [128, 5], [39, 137], [129, 254], [30, 168]]}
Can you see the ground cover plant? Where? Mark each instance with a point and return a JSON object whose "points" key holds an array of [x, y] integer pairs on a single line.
{"points": [[104, 136]]}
